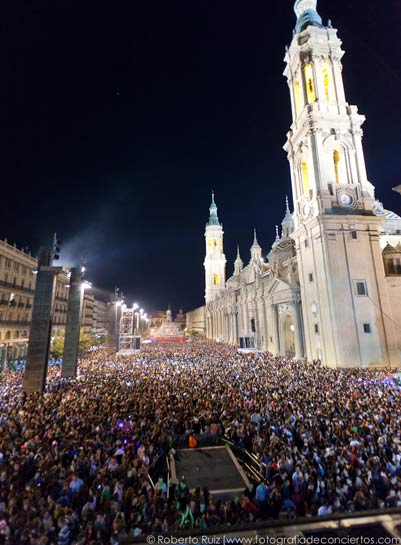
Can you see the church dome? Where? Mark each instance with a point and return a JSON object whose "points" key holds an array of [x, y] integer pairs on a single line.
{"points": [[307, 15]]}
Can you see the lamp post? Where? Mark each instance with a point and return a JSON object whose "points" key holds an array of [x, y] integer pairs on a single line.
{"points": [[118, 301]]}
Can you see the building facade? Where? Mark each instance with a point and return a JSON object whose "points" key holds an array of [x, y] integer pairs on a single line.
{"points": [[329, 288], [17, 290], [18, 270], [195, 321]]}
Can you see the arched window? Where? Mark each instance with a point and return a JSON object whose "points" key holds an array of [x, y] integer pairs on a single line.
{"points": [[215, 279], [297, 93], [326, 80], [16, 335], [305, 176], [8, 335], [340, 170], [310, 86]]}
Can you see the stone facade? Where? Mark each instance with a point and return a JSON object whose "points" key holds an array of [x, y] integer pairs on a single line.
{"points": [[17, 289], [18, 276], [195, 321], [328, 289]]}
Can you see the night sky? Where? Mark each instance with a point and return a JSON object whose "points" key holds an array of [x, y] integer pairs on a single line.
{"points": [[119, 118]]}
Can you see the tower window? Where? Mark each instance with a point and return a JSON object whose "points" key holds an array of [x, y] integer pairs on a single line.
{"points": [[310, 87], [326, 81], [361, 288], [305, 176], [367, 328], [354, 235], [297, 93], [310, 277], [215, 280], [336, 160], [340, 171], [316, 328]]}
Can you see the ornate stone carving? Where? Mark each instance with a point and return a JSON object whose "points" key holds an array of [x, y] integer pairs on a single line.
{"points": [[285, 308]]}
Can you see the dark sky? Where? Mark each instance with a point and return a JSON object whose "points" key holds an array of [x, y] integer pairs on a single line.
{"points": [[119, 118]]}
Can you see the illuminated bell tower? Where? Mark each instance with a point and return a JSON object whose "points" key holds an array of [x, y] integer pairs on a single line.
{"points": [[215, 260], [344, 301], [325, 141]]}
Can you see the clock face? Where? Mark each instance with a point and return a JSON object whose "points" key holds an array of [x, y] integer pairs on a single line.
{"points": [[345, 199]]}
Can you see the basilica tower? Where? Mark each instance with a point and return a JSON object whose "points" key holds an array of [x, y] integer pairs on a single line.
{"points": [[346, 310], [215, 260]]}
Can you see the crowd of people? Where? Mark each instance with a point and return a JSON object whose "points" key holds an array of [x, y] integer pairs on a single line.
{"points": [[76, 462]]}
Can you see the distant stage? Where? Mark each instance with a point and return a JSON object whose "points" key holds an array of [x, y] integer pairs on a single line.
{"points": [[169, 340]]}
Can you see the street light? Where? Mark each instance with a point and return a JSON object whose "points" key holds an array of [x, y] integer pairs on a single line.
{"points": [[86, 285]]}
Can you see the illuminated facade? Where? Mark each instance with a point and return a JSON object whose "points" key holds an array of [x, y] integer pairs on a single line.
{"points": [[17, 290], [215, 260], [330, 289]]}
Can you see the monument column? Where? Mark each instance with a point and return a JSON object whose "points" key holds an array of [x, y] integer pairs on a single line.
{"points": [[299, 345], [276, 339]]}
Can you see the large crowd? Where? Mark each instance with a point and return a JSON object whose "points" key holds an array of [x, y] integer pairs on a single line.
{"points": [[76, 462]]}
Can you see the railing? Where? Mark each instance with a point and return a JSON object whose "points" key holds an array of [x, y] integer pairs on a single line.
{"points": [[14, 322], [339, 524], [15, 287]]}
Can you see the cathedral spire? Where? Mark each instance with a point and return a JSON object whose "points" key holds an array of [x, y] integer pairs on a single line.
{"points": [[277, 235], [213, 219], [288, 222], [255, 240], [307, 15], [256, 250], [238, 263]]}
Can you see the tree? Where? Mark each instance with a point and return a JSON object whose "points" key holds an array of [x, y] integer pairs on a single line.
{"points": [[86, 341], [57, 347]]}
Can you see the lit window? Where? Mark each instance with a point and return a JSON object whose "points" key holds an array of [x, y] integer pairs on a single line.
{"points": [[215, 279], [297, 93], [326, 81], [310, 87], [340, 170], [305, 176]]}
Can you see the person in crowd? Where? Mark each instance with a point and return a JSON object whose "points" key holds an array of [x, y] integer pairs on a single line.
{"points": [[76, 462]]}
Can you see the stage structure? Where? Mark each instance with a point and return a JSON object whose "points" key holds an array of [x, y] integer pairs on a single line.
{"points": [[129, 343]]}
